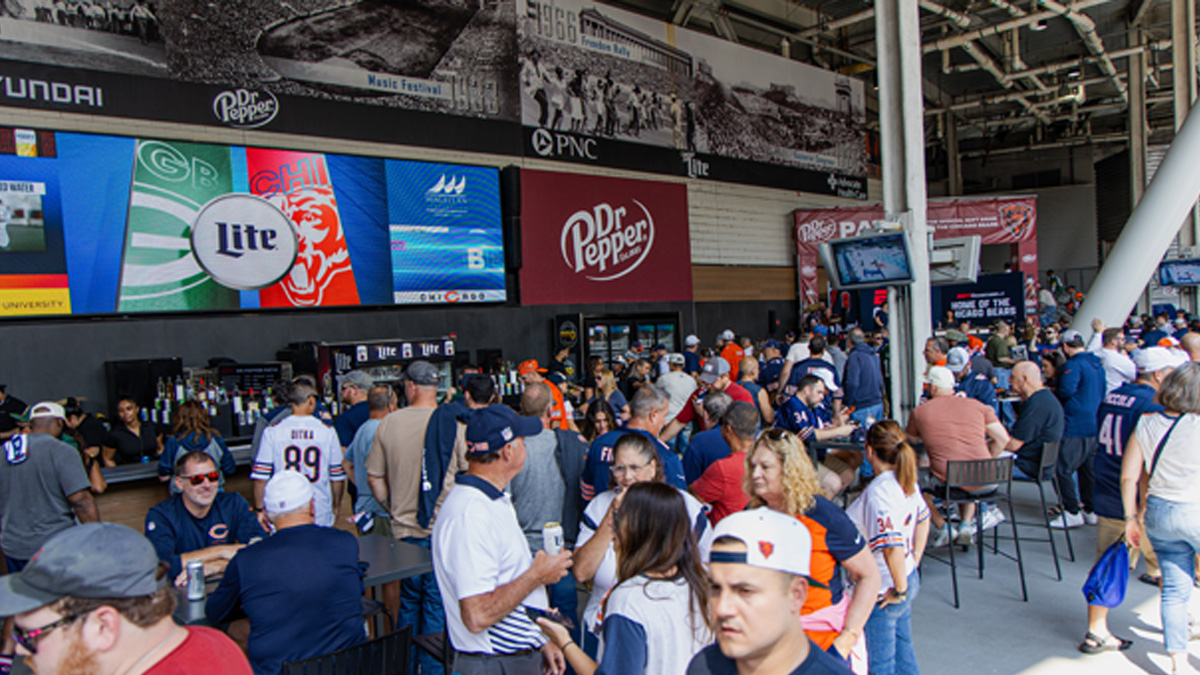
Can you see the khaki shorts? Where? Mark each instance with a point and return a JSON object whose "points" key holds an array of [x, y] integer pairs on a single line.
{"points": [[1109, 530]]}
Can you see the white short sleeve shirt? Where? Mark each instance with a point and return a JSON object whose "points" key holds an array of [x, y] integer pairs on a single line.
{"points": [[478, 546]]}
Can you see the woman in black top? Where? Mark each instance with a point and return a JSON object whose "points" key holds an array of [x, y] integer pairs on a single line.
{"points": [[132, 439], [88, 435]]}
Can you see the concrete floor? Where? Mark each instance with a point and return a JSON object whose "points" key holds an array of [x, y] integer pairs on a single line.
{"points": [[995, 632]]}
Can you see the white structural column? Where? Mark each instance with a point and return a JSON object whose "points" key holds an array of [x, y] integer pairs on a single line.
{"points": [[902, 146], [1183, 58], [1169, 199]]}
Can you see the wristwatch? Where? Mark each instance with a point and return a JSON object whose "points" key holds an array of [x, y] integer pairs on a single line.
{"points": [[898, 595]]}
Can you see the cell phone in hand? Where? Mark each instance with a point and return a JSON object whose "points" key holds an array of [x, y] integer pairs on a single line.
{"points": [[554, 615]]}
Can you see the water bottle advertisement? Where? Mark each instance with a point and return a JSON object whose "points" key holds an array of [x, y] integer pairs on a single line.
{"points": [[94, 224]]}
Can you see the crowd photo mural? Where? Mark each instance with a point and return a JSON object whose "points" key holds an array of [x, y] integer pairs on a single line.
{"points": [[568, 80]]}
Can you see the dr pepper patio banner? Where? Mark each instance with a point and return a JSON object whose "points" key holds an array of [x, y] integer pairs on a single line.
{"points": [[1003, 220]]}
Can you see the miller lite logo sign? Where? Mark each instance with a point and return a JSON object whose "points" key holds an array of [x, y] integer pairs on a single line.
{"points": [[244, 242], [817, 231], [245, 109], [605, 242]]}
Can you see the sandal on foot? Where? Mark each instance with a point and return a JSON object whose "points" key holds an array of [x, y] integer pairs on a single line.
{"points": [[1147, 579], [1094, 644]]}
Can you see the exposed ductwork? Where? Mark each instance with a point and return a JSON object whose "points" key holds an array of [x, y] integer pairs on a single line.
{"points": [[1087, 32], [997, 29]]}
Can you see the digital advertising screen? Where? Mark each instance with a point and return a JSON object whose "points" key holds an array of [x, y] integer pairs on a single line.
{"points": [[871, 261], [94, 224], [1179, 273]]}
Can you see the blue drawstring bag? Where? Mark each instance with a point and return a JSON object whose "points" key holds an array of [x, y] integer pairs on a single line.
{"points": [[1106, 583]]}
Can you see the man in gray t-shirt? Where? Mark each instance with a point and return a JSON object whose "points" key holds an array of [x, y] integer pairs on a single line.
{"points": [[43, 487], [537, 492]]}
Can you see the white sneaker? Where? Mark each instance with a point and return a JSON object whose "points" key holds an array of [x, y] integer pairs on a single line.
{"points": [[1090, 518], [940, 537], [993, 516], [1067, 520], [964, 534]]}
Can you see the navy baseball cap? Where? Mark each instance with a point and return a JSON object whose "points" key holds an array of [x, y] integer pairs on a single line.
{"points": [[772, 344], [495, 426], [94, 560]]}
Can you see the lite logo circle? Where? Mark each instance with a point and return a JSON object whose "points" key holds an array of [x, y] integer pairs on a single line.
{"points": [[244, 242]]}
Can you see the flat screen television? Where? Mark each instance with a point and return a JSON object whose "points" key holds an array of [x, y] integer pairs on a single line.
{"points": [[868, 261], [1179, 272]]}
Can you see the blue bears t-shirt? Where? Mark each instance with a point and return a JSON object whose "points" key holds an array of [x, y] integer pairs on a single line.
{"points": [[1117, 417], [174, 530], [600, 455]]}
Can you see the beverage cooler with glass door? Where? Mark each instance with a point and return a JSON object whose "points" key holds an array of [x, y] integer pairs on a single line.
{"points": [[610, 336], [383, 360]]}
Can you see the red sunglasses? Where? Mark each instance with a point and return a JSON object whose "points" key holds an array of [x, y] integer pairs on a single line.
{"points": [[211, 476]]}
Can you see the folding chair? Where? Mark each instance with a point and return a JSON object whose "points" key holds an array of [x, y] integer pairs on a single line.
{"points": [[438, 646], [387, 655], [1049, 459], [997, 473]]}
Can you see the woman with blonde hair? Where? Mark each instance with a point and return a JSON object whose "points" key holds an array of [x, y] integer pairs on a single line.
{"points": [[893, 516], [780, 475], [611, 393]]}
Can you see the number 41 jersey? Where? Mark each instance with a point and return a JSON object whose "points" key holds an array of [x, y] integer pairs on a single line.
{"points": [[304, 444]]}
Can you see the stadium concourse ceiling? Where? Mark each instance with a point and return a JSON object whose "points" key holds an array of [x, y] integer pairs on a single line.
{"points": [[1015, 73]]}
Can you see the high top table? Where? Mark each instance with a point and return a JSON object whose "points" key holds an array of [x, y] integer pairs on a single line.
{"points": [[387, 560]]}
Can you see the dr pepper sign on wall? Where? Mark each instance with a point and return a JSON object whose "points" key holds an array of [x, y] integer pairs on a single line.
{"points": [[591, 239]]}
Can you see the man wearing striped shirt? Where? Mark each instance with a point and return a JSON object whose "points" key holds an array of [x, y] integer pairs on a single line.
{"points": [[484, 570]]}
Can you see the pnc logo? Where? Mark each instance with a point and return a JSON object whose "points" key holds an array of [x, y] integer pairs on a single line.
{"points": [[602, 244], [549, 144], [245, 109], [244, 242]]}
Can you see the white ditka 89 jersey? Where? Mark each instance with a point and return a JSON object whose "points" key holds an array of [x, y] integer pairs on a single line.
{"points": [[304, 444]]}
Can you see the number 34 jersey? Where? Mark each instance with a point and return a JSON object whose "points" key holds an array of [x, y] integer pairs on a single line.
{"points": [[304, 444]]}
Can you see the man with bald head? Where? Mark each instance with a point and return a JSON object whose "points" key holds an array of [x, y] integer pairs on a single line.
{"points": [[1191, 344], [1040, 421]]}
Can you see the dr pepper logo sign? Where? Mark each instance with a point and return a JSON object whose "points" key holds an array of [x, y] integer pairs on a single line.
{"points": [[593, 239]]}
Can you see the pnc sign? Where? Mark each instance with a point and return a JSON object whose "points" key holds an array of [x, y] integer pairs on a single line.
{"points": [[244, 242]]}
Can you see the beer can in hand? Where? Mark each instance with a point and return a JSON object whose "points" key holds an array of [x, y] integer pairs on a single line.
{"points": [[552, 538], [195, 580]]}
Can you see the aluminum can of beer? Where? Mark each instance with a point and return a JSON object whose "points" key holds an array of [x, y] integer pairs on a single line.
{"points": [[552, 538], [195, 580]]}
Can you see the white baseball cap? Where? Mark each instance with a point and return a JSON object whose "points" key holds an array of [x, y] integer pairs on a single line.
{"points": [[940, 377], [676, 359], [727, 335], [691, 341], [286, 491], [957, 360], [1154, 359], [773, 540], [47, 409]]}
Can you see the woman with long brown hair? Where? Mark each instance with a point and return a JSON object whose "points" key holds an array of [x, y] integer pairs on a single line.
{"points": [[192, 430], [780, 475], [635, 461], [895, 520], [599, 420], [655, 620]]}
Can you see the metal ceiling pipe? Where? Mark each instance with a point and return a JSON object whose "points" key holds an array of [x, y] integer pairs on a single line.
{"points": [[824, 26], [998, 28], [795, 36], [1012, 9], [1148, 233], [1087, 31], [961, 20], [1075, 63], [1090, 140], [990, 66]]}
